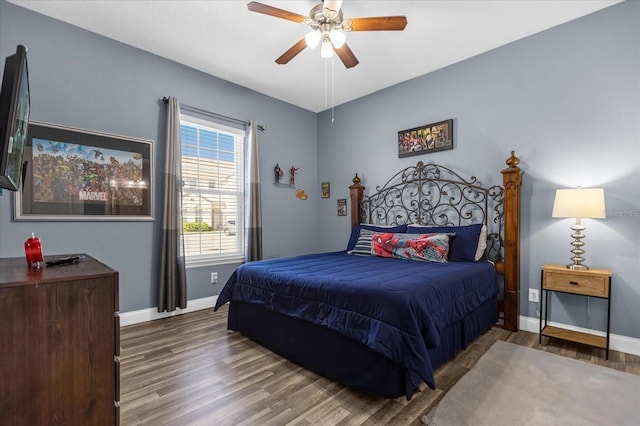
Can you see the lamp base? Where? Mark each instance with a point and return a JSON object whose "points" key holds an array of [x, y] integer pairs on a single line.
{"points": [[577, 248], [578, 267]]}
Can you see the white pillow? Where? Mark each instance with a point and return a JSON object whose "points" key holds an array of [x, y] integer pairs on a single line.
{"points": [[482, 243]]}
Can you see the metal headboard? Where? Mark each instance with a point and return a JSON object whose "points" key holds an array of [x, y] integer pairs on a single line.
{"points": [[431, 194]]}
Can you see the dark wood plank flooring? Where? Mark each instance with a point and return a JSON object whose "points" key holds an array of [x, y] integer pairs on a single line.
{"points": [[188, 370]]}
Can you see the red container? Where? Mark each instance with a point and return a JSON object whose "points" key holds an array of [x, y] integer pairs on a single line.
{"points": [[33, 251]]}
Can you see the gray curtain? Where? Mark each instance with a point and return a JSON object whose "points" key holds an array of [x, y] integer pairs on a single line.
{"points": [[253, 235], [172, 283]]}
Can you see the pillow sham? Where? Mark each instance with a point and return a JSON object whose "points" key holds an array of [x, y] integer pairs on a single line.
{"points": [[422, 247], [363, 245], [468, 244], [482, 243], [355, 232]]}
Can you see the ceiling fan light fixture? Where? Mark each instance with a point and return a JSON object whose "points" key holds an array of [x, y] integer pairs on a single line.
{"points": [[313, 38], [337, 38], [326, 51]]}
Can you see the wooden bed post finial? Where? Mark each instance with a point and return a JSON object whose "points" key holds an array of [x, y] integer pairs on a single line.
{"points": [[512, 181], [513, 161], [356, 191]]}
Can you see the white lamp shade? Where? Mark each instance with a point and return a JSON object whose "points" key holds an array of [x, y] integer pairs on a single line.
{"points": [[313, 38], [337, 38], [326, 50], [579, 203]]}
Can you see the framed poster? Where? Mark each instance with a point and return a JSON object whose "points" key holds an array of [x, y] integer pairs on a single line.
{"points": [[325, 189], [342, 207], [425, 139], [75, 174]]}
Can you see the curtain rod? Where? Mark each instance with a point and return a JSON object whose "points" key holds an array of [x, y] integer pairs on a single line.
{"points": [[261, 127]]}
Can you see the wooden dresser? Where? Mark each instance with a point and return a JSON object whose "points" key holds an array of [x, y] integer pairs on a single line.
{"points": [[59, 343]]}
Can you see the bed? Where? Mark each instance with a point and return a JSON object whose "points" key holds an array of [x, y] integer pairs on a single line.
{"points": [[418, 281]]}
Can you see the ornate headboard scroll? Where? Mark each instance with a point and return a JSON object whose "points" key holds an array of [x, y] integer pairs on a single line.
{"points": [[436, 195]]}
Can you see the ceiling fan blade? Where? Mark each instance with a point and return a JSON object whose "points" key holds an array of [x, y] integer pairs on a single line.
{"points": [[292, 52], [382, 23], [274, 11], [346, 56]]}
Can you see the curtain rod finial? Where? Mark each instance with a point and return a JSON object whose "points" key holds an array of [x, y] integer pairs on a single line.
{"points": [[165, 100], [262, 127]]}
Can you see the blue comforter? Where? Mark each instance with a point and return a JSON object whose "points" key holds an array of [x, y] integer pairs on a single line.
{"points": [[396, 307]]}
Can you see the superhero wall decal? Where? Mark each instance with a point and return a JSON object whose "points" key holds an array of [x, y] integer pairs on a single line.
{"points": [[278, 173]]}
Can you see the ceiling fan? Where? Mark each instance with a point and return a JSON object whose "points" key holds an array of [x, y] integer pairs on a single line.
{"points": [[327, 26]]}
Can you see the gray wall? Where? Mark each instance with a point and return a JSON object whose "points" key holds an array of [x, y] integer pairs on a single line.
{"points": [[567, 100], [84, 80]]}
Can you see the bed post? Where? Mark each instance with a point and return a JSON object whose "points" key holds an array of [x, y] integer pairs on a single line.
{"points": [[356, 191], [512, 180]]}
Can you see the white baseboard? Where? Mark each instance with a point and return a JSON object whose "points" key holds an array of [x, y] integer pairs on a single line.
{"points": [[143, 315], [617, 342]]}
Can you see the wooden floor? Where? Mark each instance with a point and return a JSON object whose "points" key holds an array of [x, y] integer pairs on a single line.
{"points": [[188, 370]]}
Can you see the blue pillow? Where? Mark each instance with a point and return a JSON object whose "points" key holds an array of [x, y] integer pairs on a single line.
{"points": [[355, 232], [462, 247]]}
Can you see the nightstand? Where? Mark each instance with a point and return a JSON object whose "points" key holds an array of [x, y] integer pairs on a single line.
{"points": [[590, 283]]}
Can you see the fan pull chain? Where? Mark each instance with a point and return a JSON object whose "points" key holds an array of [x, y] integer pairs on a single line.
{"points": [[326, 87], [333, 83]]}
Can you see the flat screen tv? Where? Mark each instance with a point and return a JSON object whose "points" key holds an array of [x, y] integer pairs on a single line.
{"points": [[14, 118]]}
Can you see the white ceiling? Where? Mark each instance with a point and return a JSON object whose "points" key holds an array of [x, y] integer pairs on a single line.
{"points": [[224, 39]]}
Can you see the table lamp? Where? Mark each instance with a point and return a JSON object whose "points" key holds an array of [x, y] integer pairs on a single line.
{"points": [[579, 203]]}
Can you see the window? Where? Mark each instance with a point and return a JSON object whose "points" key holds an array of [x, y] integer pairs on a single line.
{"points": [[212, 192]]}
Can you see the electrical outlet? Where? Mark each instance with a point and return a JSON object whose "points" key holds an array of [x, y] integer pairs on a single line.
{"points": [[214, 277], [533, 295]]}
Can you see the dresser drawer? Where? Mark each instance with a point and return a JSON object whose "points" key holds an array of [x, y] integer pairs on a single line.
{"points": [[588, 285]]}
